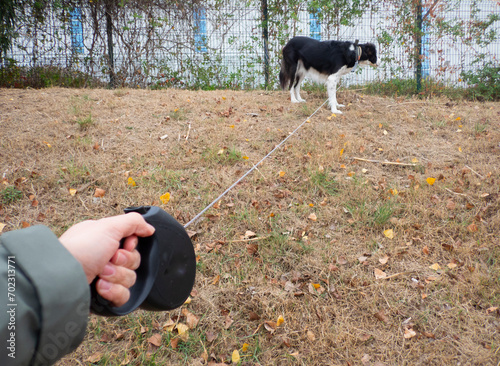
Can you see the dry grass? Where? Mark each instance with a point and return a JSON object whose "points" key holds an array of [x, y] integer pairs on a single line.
{"points": [[450, 316]]}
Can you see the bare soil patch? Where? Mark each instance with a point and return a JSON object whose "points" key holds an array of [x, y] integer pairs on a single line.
{"points": [[351, 262]]}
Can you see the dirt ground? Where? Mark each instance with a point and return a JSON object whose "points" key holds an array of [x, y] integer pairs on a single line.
{"points": [[368, 238]]}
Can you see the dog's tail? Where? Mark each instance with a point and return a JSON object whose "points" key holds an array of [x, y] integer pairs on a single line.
{"points": [[284, 75], [287, 73]]}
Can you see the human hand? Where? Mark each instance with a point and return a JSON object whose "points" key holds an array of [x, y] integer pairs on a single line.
{"points": [[95, 244]]}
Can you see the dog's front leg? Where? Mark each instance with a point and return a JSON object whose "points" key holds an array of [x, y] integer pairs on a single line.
{"points": [[331, 87]]}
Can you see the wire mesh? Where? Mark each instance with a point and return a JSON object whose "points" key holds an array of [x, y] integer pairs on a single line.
{"points": [[220, 44]]}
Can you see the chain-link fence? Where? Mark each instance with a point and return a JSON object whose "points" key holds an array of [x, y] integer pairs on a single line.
{"points": [[228, 43]]}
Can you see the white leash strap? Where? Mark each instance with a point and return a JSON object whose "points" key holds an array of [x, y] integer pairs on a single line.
{"points": [[252, 169]]}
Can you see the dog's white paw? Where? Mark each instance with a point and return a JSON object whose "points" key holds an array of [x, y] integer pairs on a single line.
{"points": [[340, 106], [336, 111], [302, 100]]}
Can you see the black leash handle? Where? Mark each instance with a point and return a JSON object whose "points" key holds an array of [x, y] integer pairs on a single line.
{"points": [[167, 271]]}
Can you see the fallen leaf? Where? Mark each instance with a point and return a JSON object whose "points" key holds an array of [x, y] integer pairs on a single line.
{"points": [[472, 228], [249, 234], [270, 326], [165, 198], [191, 319], [155, 340], [244, 348], [94, 358], [174, 343], [380, 315], [492, 309], [99, 192], [72, 191], [280, 321], [384, 259], [253, 316], [379, 274], [235, 358], [425, 250], [312, 217], [131, 182], [282, 174], [389, 233], [310, 335], [169, 325], [409, 333], [451, 265], [430, 181], [435, 267]]}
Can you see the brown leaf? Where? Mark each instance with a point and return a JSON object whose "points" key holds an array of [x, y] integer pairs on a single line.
{"points": [[472, 228], [191, 319], [155, 340], [310, 335], [227, 322], [99, 192], [210, 336], [94, 358], [253, 316], [425, 250], [270, 326], [174, 343], [380, 315], [252, 249]]}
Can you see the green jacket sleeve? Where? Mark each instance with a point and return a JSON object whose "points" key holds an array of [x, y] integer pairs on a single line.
{"points": [[44, 298]]}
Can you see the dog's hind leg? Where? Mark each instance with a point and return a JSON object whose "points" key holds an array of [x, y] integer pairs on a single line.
{"points": [[331, 87], [300, 74]]}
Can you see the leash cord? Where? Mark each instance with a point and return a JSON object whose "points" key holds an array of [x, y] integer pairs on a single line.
{"points": [[252, 169]]}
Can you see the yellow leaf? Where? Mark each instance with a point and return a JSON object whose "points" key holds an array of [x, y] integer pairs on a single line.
{"points": [[316, 285], [451, 265], [245, 157], [308, 121], [435, 267], [220, 152], [165, 198], [235, 358], [311, 205], [389, 233], [182, 328], [342, 166], [414, 160], [430, 181], [282, 174], [459, 149], [46, 143], [72, 191], [458, 119], [341, 152], [280, 321], [131, 182], [231, 126]]}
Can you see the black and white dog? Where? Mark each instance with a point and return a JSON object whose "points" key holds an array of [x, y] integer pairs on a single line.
{"points": [[323, 62]]}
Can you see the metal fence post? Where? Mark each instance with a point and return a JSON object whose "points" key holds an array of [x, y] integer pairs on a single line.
{"points": [[418, 46], [109, 31], [265, 36]]}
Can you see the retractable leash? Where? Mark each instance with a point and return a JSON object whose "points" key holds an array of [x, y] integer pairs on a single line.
{"points": [[167, 271]]}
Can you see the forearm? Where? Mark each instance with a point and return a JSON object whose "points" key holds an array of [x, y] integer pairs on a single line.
{"points": [[44, 301]]}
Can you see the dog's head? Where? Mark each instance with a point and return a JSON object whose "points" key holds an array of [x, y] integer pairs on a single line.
{"points": [[368, 54]]}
